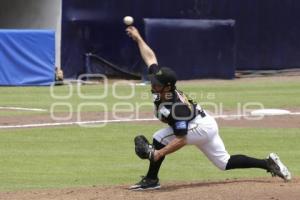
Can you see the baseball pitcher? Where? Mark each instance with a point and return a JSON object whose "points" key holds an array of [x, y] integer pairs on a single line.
{"points": [[188, 124]]}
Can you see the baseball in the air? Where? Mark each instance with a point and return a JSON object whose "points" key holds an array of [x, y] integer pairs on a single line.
{"points": [[128, 20]]}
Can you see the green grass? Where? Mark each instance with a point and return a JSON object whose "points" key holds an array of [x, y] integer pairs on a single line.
{"points": [[228, 94], [73, 156]]}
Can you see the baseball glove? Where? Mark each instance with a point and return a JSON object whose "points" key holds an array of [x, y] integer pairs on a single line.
{"points": [[143, 149]]}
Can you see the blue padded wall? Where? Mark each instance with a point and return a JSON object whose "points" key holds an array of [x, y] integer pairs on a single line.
{"points": [[27, 57], [267, 31], [193, 48]]}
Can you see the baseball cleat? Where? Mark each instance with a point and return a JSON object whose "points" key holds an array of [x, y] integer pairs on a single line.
{"points": [[146, 184], [277, 168]]}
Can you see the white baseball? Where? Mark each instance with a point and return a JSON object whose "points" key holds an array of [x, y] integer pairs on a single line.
{"points": [[128, 20]]}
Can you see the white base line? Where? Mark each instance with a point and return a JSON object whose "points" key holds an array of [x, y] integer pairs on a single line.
{"points": [[111, 121], [249, 115], [74, 123], [26, 109]]}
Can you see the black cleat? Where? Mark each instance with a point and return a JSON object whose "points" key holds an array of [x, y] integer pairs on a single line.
{"points": [[146, 184]]}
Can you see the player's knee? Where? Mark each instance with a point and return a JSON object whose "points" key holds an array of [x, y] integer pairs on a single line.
{"points": [[162, 134], [221, 163], [222, 166], [157, 145]]}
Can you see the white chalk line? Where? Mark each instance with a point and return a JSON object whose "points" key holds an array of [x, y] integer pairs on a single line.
{"points": [[115, 121], [257, 115], [25, 109], [75, 123]]}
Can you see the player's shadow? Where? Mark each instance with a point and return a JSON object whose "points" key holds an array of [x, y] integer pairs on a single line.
{"points": [[172, 187]]}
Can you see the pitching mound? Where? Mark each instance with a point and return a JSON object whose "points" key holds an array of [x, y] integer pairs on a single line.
{"points": [[249, 189]]}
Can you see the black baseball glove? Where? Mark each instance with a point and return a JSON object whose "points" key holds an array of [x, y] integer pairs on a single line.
{"points": [[143, 149]]}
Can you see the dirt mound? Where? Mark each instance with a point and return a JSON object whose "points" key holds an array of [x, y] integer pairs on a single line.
{"points": [[236, 189]]}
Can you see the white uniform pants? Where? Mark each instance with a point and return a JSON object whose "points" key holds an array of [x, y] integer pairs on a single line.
{"points": [[204, 134]]}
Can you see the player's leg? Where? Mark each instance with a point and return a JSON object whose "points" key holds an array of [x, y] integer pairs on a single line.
{"points": [[243, 161], [215, 151], [205, 136], [214, 148], [160, 139], [272, 164], [155, 166], [151, 181]]}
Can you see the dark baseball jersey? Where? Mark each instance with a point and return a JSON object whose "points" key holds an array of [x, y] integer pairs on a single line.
{"points": [[177, 111]]}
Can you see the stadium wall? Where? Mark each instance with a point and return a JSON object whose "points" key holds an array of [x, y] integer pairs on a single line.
{"points": [[33, 14], [266, 31]]}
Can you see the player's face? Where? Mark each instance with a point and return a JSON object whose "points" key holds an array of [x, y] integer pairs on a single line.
{"points": [[160, 92], [156, 88]]}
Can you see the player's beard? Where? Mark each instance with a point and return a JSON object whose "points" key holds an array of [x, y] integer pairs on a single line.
{"points": [[155, 96]]}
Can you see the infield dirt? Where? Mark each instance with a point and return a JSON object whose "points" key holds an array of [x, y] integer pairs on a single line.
{"points": [[239, 189]]}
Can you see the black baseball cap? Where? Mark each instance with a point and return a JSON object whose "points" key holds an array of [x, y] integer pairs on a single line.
{"points": [[164, 77]]}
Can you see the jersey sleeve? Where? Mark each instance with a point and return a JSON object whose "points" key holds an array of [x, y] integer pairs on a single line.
{"points": [[153, 69], [182, 115], [180, 128]]}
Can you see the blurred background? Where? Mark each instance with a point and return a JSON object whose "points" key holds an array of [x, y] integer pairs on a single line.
{"points": [[197, 38]]}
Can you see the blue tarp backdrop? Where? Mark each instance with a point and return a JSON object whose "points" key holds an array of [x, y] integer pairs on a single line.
{"points": [[27, 57], [266, 34], [195, 48]]}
